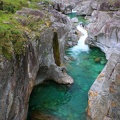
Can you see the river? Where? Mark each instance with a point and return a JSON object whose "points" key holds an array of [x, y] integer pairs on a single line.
{"points": [[70, 102]]}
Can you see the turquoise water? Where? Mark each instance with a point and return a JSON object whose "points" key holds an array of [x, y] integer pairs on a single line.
{"points": [[80, 18], [69, 102]]}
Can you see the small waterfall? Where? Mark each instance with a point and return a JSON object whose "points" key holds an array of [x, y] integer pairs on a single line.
{"points": [[74, 11], [81, 43]]}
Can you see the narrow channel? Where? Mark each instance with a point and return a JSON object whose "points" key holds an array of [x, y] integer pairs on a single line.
{"points": [[69, 102]]}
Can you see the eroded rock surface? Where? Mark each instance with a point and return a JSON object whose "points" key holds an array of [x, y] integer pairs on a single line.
{"points": [[104, 32], [43, 57], [84, 8], [104, 94]]}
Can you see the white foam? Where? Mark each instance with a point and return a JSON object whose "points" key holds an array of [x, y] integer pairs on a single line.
{"points": [[81, 43], [74, 11]]}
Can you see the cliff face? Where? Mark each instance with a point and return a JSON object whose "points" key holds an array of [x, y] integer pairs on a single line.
{"points": [[42, 60], [104, 32], [103, 103]]}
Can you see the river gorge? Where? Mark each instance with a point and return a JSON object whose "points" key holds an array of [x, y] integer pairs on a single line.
{"points": [[55, 67], [68, 102]]}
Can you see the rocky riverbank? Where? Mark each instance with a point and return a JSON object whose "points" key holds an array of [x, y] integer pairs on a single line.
{"points": [[104, 32]]}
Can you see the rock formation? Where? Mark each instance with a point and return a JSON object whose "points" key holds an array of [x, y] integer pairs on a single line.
{"points": [[44, 52], [104, 32], [41, 60], [84, 8], [103, 103]]}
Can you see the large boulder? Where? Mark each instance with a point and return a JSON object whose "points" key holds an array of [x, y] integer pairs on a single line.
{"points": [[74, 20], [84, 8], [36, 115], [63, 6], [104, 30], [105, 5]]}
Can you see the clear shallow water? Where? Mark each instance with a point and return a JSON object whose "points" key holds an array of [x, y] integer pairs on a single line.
{"points": [[80, 18], [69, 102]]}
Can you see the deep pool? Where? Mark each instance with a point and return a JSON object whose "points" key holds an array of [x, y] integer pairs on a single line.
{"points": [[69, 102]]}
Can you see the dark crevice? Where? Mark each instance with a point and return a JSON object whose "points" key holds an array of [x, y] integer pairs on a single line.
{"points": [[56, 49]]}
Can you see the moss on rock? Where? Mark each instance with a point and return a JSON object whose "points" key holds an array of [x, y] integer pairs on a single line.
{"points": [[56, 49], [13, 27]]}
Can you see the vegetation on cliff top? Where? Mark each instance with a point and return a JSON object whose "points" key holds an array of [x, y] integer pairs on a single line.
{"points": [[12, 32]]}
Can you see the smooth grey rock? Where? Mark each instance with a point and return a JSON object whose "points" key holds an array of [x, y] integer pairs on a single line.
{"points": [[66, 58], [104, 31], [104, 93], [84, 8], [59, 75], [74, 20]]}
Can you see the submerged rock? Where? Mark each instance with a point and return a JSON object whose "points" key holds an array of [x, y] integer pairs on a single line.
{"points": [[103, 62], [97, 60], [37, 115]]}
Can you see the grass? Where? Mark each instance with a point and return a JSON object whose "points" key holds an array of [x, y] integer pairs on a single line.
{"points": [[14, 5], [11, 36], [12, 32]]}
